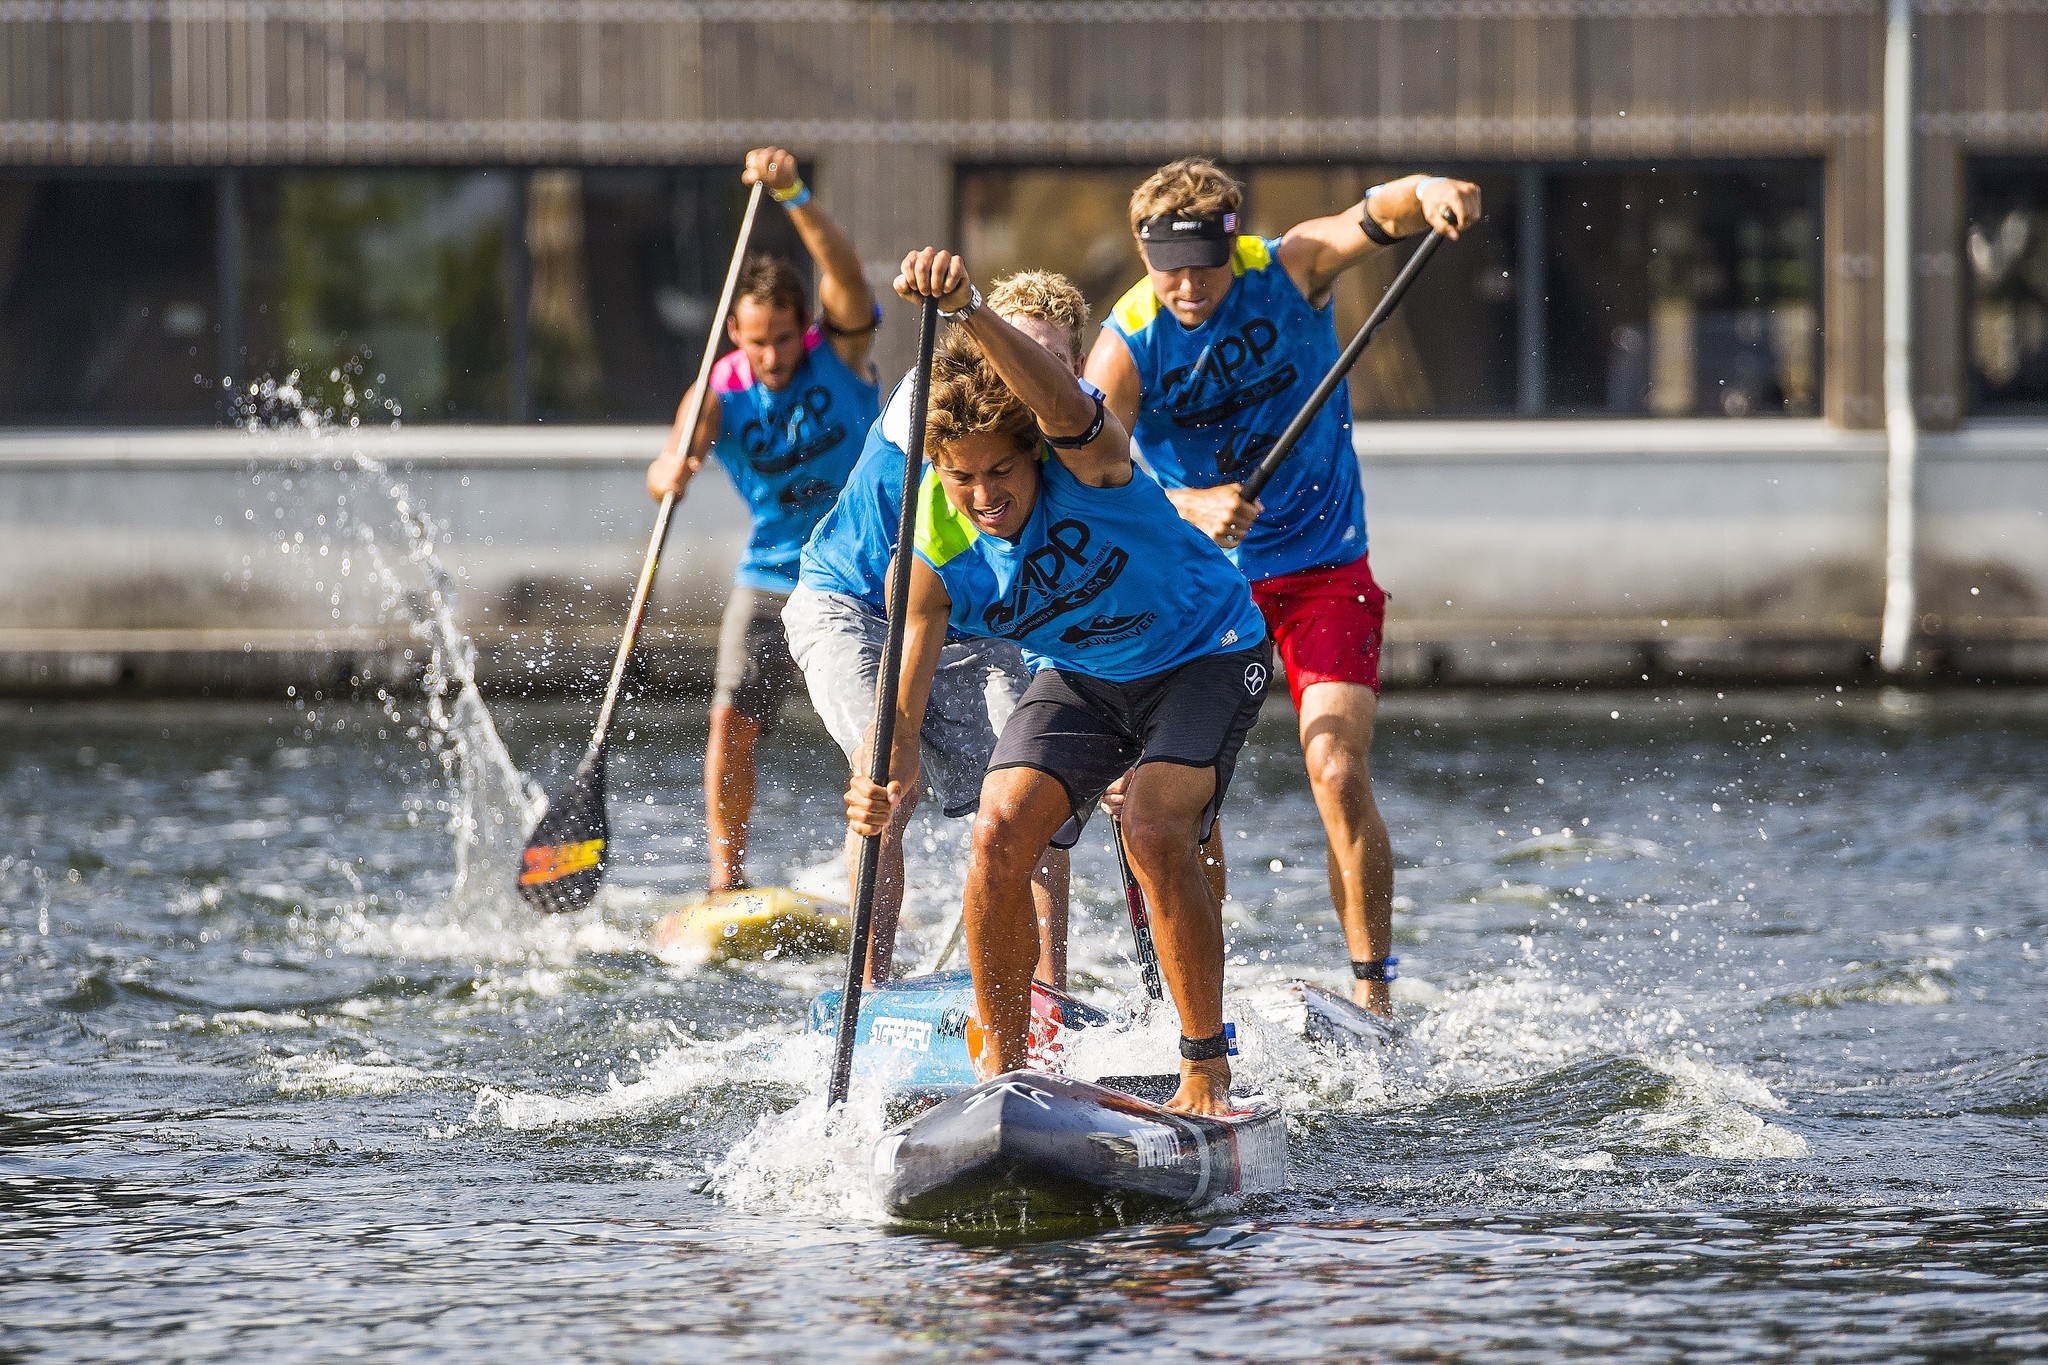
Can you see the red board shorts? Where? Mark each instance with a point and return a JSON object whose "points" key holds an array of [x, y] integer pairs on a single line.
{"points": [[1326, 624]]}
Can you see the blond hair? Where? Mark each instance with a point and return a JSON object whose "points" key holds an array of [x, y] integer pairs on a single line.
{"points": [[1047, 296], [968, 398], [1194, 186]]}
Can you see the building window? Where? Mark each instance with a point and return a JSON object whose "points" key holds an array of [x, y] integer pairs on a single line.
{"points": [[1676, 292], [626, 267], [1658, 291], [472, 295], [109, 299], [398, 283], [2007, 246]]}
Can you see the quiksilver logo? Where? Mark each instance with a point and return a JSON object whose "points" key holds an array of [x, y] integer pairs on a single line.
{"points": [[1255, 678]]}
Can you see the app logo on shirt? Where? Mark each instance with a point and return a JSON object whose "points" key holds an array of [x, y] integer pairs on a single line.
{"points": [[804, 433], [1227, 377], [1062, 575]]}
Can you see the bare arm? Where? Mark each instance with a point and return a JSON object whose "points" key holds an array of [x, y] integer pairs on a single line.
{"points": [[843, 293], [924, 634], [1111, 369], [1316, 252], [1034, 374], [673, 469]]}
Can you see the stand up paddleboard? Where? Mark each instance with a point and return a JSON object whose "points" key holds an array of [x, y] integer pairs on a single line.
{"points": [[1029, 1147], [763, 924], [1036, 1146]]}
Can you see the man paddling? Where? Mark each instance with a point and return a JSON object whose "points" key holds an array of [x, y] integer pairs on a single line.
{"points": [[1206, 360], [838, 616], [786, 414], [1034, 526]]}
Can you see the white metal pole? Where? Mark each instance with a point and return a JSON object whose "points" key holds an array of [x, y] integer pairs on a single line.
{"points": [[1902, 436]]}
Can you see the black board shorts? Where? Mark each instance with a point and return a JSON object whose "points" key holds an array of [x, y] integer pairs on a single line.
{"points": [[1086, 732]]}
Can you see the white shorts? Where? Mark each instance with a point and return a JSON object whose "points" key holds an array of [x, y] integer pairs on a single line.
{"points": [[838, 642]]}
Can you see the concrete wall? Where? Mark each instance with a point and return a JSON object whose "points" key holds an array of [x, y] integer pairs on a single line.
{"points": [[1516, 552]]}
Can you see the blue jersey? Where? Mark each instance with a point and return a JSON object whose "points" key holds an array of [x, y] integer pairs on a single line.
{"points": [[849, 551], [1216, 397], [788, 451], [1107, 582]]}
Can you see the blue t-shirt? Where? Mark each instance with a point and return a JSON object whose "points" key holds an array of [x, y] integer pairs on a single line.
{"points": [[1107, 582], [848, 553], [789, 451], [1216, 397]]}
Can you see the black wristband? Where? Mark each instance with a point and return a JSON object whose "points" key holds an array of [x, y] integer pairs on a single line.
{"points": [[1205, 1049], [1371, 228], [1382, 970], [1076, 442]]}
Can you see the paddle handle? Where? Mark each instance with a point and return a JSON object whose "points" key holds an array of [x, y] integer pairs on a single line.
{"points": [[1141, 919], [886, 685], [1269, 464], [691, 413]]}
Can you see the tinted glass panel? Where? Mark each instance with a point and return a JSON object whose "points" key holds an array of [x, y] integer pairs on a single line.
{"points": [[1677, 293], [2008, 255], [626, 269], [108, 299], [403, 275]]}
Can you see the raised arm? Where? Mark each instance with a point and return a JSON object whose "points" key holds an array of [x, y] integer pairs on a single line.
{"points": [[1316, 252], [843, 294], [673, 469], [1088, 437], [924, 633]]}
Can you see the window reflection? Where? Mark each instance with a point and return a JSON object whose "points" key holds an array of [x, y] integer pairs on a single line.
{"points": [[626, 269], [2007, 246], [398, 282], [1676, 293], [108, 299]]}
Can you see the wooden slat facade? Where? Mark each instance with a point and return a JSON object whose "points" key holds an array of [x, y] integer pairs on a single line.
{"points": [[891, 95]]}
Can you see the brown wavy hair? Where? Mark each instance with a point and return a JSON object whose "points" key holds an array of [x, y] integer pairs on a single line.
{"points": [[1192, 185], [774, 283], [968, 398]]}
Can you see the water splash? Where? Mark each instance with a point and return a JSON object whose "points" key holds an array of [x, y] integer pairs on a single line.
{"points": [[490, 804]]}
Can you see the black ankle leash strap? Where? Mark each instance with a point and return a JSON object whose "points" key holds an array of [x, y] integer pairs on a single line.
{"points": [[1382, 970], [1205, 1049]]}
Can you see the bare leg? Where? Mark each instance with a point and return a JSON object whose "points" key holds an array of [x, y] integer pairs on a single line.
{"points": [[1021, 809], [1049, 882], [1161, 830], [729, 794], [1336, 740], [1213, 870]]}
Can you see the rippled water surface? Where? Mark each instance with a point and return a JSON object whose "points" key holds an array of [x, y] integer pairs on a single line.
{"points": [[1725, 1041]]}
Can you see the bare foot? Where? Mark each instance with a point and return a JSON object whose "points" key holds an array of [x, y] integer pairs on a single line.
{"points": [[719, 892], [1204, 1088], [1374, 996]]}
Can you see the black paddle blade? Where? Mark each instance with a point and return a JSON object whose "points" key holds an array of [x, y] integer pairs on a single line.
{"points": [[564, 860]]}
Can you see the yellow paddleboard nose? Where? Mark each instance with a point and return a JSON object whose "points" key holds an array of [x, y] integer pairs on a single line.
{"points": [[762, 924]]}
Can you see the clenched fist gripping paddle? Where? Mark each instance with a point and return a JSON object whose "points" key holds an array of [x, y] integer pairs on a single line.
{"points": [[565, 858]]}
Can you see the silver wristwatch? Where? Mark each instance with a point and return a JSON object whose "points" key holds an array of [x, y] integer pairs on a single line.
{"points": [[967, 309]]}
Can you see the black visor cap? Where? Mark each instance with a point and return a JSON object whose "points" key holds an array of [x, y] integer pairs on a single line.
{"points": [[1184, 242]]}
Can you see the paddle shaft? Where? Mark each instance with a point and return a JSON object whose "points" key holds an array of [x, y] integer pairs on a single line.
{"points": [[1269, 464], [691, 413], [886, 685], [1141, 920]]}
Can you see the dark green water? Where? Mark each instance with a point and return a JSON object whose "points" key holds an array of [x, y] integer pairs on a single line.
{"points": [[1767, 1081]]}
